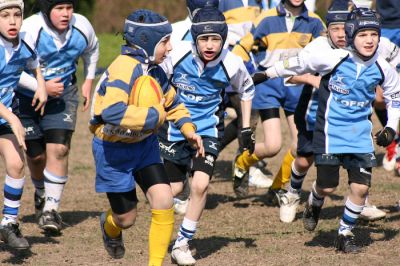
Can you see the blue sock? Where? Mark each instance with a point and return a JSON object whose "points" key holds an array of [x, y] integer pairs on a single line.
{"points": [[13, 188], [350, 216]]}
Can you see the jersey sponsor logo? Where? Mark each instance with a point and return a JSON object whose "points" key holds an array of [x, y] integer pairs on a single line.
{"points": [[351, 103], [395, 95], [4, 91], [111, 130], [246, 83], [29, 131], [168, 149], [182, 82], [396, 104], [209, 160], [68, 118], [213, 145], [196, 98], [365, 171], [336, 84]]}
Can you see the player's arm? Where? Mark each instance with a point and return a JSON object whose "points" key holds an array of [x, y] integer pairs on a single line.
{"points": [[309, 79], [241, 82], [391, 94], [15, 124], [114, 109], [90, 58], [40, 97], [321, 61]]}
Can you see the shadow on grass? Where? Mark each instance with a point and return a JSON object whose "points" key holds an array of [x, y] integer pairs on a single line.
{"points": [[364, 236], [70, 218], [209, 245], [20, 256]]}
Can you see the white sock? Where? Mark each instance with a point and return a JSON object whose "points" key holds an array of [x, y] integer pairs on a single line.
{"points": [[54, 186]]}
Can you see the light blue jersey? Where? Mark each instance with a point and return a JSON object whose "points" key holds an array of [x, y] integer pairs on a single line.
{"points": [[59, 53], [13, 60], [200, 87], [346, 94]]}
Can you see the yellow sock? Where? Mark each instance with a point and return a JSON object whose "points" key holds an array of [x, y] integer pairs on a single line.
{"points": [[161, 228], [112, 230], [245, 160], [283, 176]]}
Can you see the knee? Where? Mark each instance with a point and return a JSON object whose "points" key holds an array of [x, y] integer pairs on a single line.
{"points": [[61, 151], [15, 168], [302, 164], [199, 188], [272, 149], [125, 221], [326, 191], [359, 190]]}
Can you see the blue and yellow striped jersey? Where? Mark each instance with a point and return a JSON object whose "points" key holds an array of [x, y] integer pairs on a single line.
{"points": [[239, 16], [114, 120], [273, 39]]}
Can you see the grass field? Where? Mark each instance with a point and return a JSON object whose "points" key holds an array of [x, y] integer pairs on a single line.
{"points": [[231, 231]]}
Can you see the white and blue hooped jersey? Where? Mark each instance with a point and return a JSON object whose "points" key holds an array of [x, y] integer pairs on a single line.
{"points": [[13, 60], [346, 94], [59, 53], [200, 87]]}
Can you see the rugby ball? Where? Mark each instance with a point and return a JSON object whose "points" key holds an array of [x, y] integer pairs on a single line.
{"points": [[146, 92]]}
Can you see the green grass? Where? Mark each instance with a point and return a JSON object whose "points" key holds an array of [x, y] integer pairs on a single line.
{"points": [[110, 47]]}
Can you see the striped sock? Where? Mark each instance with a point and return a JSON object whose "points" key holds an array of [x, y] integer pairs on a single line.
{"points": [[13, 188], [350, 216], [186, 232], [296, 180], [315, 199], [54, 186]]}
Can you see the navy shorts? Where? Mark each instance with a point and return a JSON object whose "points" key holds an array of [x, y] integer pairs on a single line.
{"points": [[117, 163], [59, 113], [358, 166], [304, 143], [182, 152]]}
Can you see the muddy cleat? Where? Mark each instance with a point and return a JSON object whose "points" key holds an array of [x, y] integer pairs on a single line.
{"points": [[39, 204], [273, 197], [258, 179], [346, 243], [114, 246], [288, 209], [372, 213], [182, 255], [240, 181], [50, 221], [12, 236], [310, 216]]}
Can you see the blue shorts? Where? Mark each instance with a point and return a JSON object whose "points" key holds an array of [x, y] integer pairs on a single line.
{"points": [[392, 34], [347, 160], [304, 143], [182, 152], [59, 113], [274, 94], [117, 163]]}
